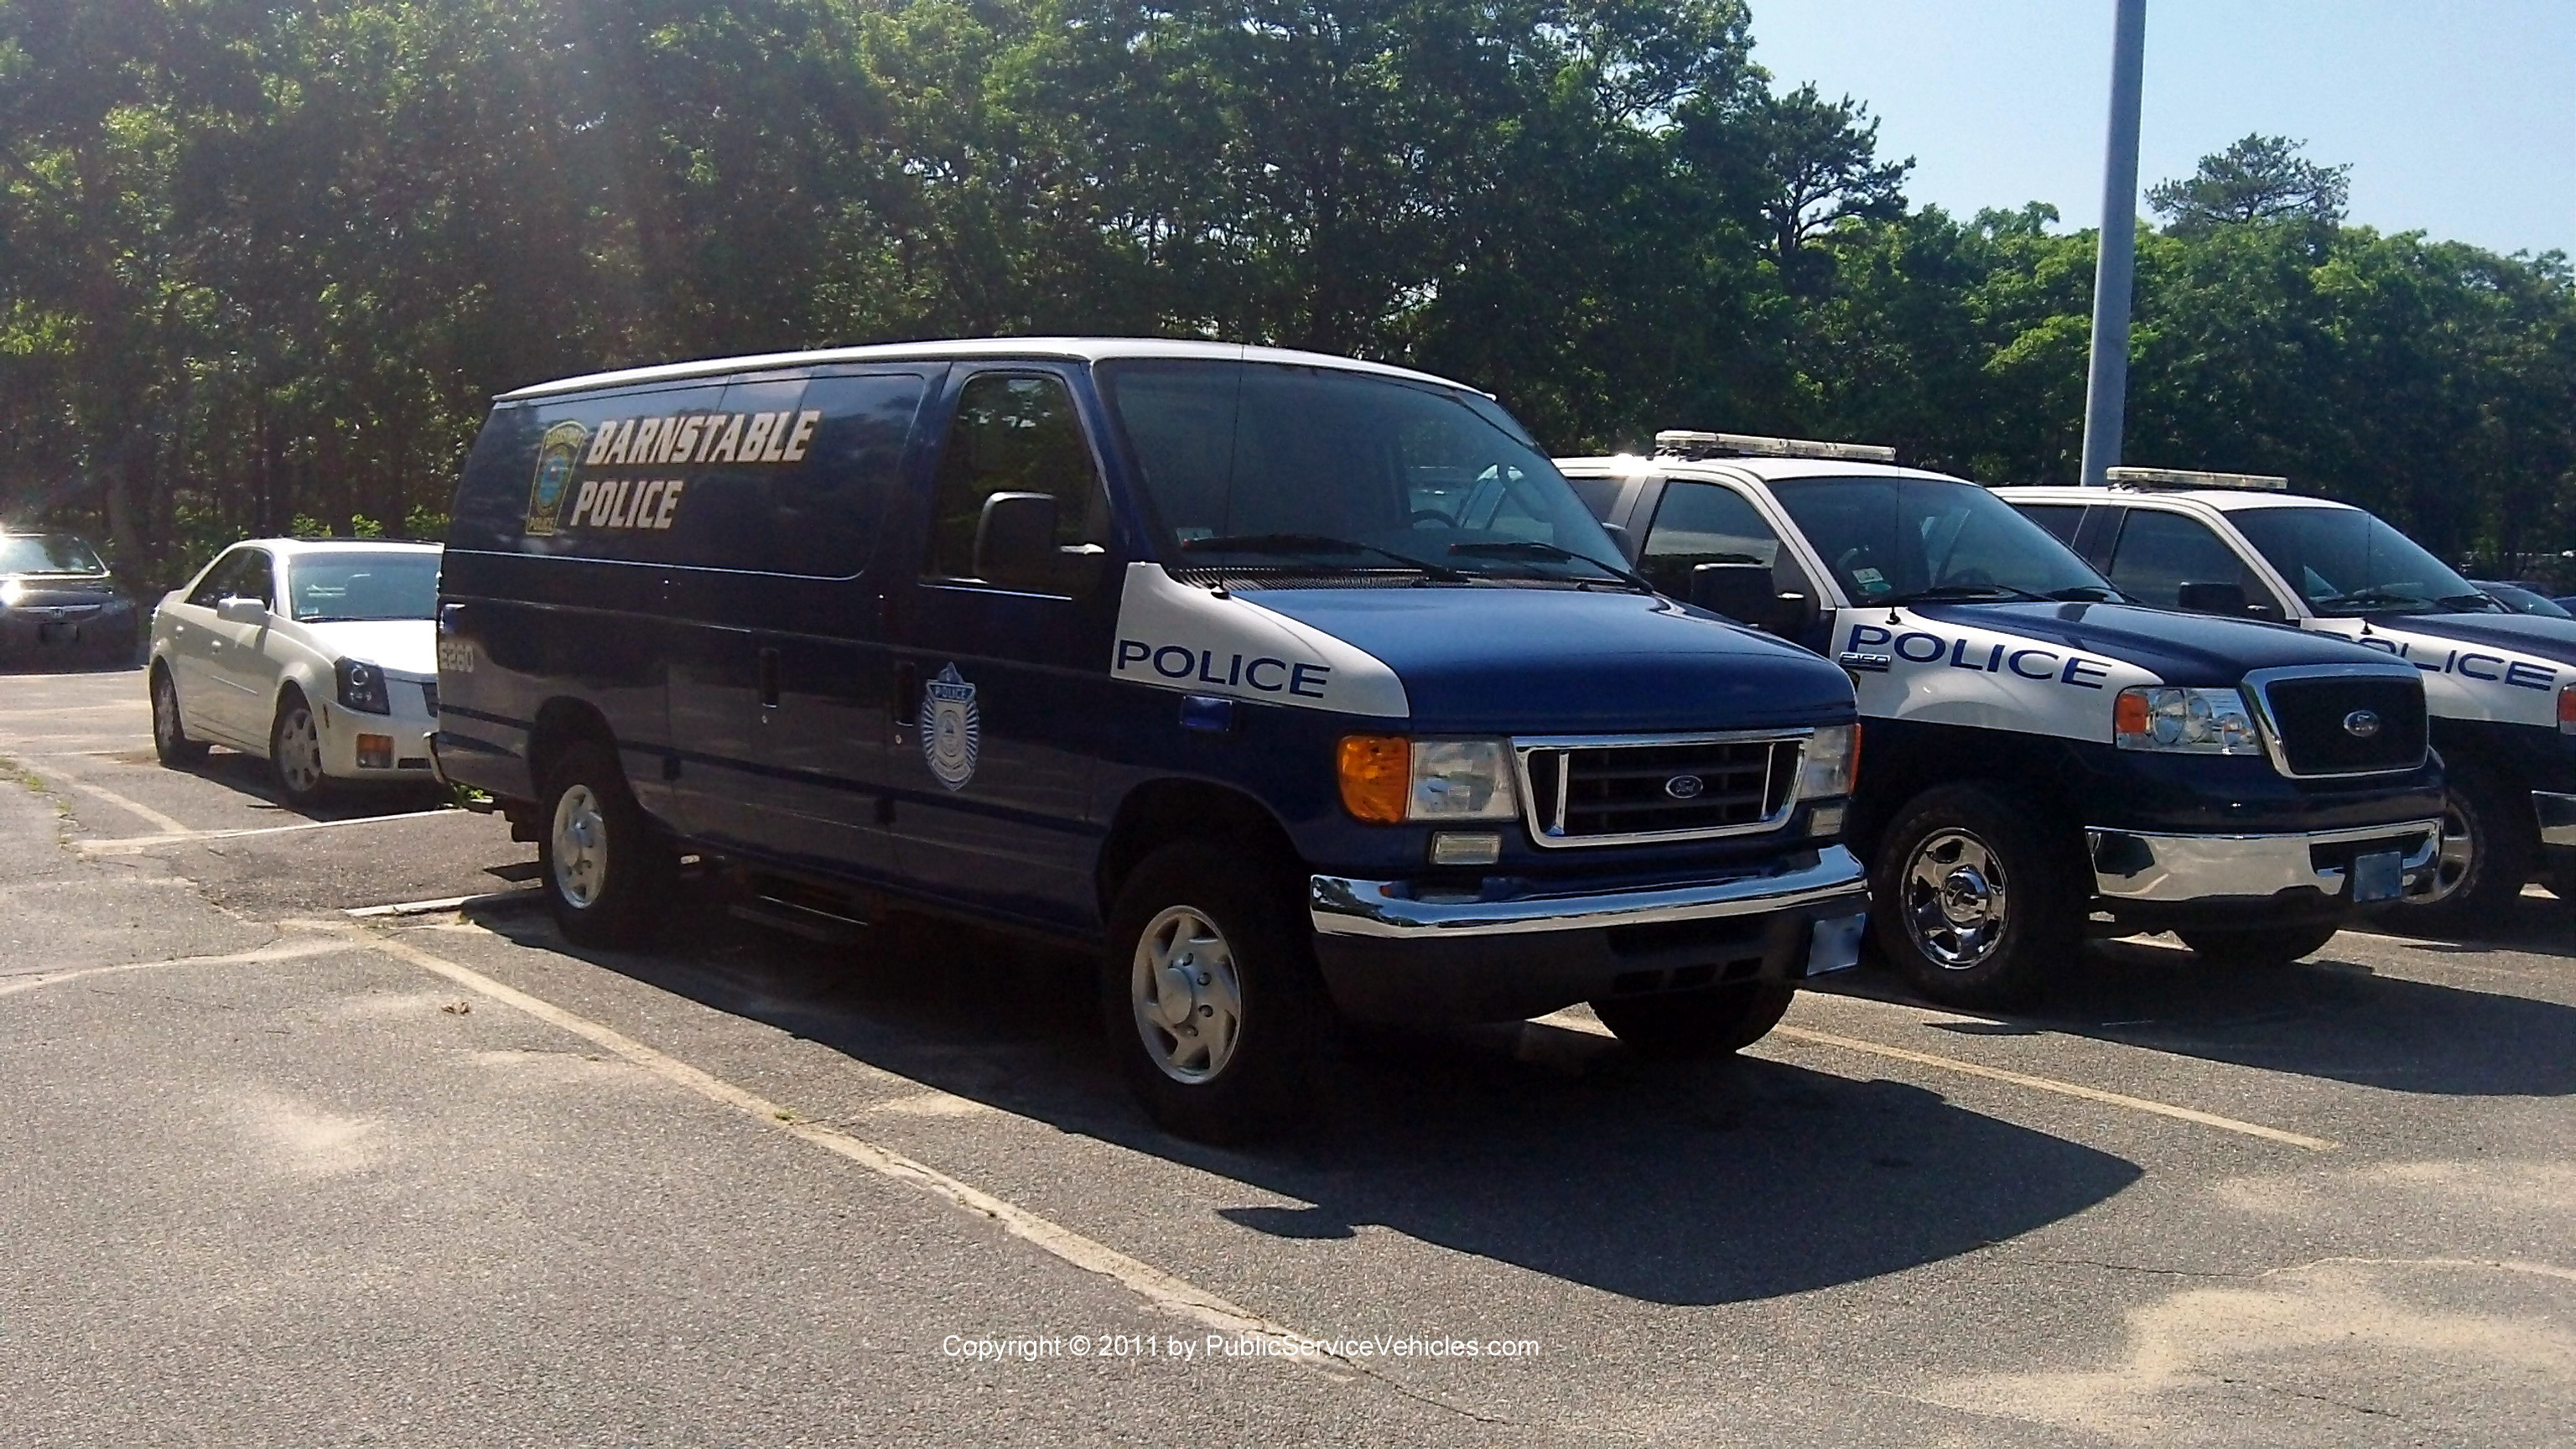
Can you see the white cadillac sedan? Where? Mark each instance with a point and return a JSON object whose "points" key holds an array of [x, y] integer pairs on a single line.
{"points": [[319, 656]]}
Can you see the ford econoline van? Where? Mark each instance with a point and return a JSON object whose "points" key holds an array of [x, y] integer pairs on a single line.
{"points": [[1295, 687]]}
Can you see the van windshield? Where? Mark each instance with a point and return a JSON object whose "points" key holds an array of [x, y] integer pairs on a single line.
{"points": [[1896, 540], [2345, 561], [343, 588], [1316, 470]]}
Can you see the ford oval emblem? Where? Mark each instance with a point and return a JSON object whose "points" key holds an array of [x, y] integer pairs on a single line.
{"points": [[1685, 787], [2361, 724]]}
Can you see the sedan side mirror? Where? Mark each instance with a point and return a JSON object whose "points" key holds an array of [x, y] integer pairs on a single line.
{"points": [[2227, 599], [234, 609]]}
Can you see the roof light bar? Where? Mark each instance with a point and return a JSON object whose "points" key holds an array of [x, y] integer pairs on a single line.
{"points": [[2185, 478], [1682, 443]]}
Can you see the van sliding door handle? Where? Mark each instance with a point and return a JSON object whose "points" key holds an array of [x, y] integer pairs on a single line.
{"points": [[769, 679]]}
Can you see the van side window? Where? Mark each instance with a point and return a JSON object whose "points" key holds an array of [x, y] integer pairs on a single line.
{"points": [[1013, 434], [1705, 523], [2160, 552]]}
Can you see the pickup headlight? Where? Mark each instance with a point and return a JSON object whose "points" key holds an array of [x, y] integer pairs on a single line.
{"points": [[1830, 765], [2185, 721], [362, 687], [1388, 778]]}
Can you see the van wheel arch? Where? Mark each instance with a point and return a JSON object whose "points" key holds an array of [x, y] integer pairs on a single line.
{"points": [[560, 725], [1160, 812]]}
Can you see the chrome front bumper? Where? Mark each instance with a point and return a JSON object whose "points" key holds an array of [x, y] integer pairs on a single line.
{"points": [[1391, 910], [2172, 869], [2557, 817]]}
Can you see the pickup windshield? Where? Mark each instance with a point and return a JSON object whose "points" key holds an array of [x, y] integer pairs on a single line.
{"points": [[2345, 561], [1318, 470], [47, 553], [1899, 540], [342, 588]]}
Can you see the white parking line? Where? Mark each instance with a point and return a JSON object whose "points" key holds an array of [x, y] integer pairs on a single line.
{"points": [[283, 951], [182, 835], [1158, 1288], [443, 903], [2018, 1079], [137, 808]]}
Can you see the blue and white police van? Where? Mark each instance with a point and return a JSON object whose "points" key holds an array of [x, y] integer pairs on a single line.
{"points": [[2044, 759], [1296, 686], [2501, 685]]}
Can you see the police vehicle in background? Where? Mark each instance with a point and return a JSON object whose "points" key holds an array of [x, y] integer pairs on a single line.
{"points": [[1296, 686], [2043, 757], [2501, 683]]}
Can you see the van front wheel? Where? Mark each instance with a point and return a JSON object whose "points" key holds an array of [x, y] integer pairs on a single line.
{"points": [[1209, 988], [607, 868]]}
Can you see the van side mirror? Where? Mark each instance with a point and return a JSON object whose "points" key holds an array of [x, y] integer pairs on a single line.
{"points": [[1015, 540], [234, 609], [2227, 599]]}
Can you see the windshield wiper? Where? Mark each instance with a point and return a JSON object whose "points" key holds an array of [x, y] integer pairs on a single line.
{"points": [[2374, 599], [1317, 543], [1964, 593], [2473, 604], [2089, 594], [1533, 548]]}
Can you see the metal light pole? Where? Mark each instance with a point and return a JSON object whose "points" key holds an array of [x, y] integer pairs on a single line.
{"points": [[2106, 381]]}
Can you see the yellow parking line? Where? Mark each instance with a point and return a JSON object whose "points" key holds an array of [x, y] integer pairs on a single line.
{"points": [[2051, 1084]]}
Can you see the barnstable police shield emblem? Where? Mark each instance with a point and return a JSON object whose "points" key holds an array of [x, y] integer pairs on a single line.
{"points": [[951, 728], [557, 455]]}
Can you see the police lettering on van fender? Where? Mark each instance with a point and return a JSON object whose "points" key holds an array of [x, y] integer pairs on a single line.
{"points": [[1904, 666], [1173, 635], [677, 439]]}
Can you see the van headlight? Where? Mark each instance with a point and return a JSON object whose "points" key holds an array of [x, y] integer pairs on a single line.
{"points": [[2184, 721], [1389, 778], [362, 687], [1830, 765]]}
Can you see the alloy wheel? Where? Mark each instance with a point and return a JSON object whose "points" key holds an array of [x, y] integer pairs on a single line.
{"points": [[1956, 900], [580, 846], [1187, 999]]}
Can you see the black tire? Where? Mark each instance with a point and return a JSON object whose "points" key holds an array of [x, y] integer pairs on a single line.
{"points": [[2016, 916], [1252, 1080], [170, 740], [1693, 1025], [616, 887], [2490, 849], [2259, 946], [294, 751]]}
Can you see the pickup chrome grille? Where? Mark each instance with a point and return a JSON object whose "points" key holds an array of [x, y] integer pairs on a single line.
{"points": [[2324, 725], [1629, 789]]}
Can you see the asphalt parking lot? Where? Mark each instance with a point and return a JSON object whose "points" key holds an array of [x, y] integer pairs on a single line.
{"points": [[277, 1173]]}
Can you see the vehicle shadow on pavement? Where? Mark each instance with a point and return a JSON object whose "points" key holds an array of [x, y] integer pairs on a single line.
{"points": [[1554, 1150], [2538, 925], [249, 775], [2329, 1017]]}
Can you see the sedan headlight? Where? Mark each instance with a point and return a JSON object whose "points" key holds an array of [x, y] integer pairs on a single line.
{"points": [[2186, 721], [1830, 765], [362, 687], [1388, 778]]}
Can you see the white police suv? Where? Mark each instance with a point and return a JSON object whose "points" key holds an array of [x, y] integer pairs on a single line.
{"points": [[2501, 685], [2042, 756]]}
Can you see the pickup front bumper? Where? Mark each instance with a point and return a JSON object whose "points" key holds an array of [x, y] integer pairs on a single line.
{"points": [[1400, 951], [2259, 878]]}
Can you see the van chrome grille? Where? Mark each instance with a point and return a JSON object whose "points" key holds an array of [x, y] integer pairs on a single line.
{"points": [[2309, 715], [1629, 789]]}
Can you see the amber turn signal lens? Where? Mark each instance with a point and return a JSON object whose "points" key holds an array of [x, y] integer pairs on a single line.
{"points": [[2129, 713], [1377, 776]]}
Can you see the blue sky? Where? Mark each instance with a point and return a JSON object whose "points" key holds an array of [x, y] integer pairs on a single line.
{"points": [[2458, 116]]}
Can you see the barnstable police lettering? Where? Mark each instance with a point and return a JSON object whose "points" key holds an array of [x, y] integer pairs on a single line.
{"points": [[1201, 666], [644, 502]]}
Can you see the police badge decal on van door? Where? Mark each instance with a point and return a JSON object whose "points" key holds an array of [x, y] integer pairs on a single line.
{"points": [[951, 727]]}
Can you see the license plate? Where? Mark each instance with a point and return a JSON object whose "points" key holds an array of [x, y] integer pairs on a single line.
{"points": [[58, 633], [2378, 876], [1835, 946]]}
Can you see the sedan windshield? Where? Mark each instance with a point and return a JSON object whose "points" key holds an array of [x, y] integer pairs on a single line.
{"points": [[1317, 470], [2345, 561], [1899, 540], [47, 553], [340, 588]]}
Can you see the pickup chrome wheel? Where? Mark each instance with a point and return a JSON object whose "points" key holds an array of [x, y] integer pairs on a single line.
{"points": [[295, 750], [1978, 893], [1956, 900], [607, 868], [2490, 847], [1209, 991]]}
